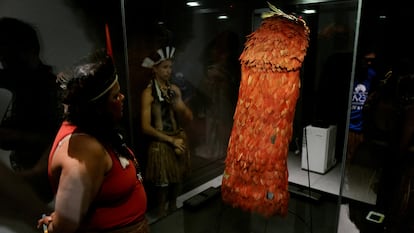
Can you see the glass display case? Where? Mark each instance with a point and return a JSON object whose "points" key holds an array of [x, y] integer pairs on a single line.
{"points": [[209, 38], [338, 182]]}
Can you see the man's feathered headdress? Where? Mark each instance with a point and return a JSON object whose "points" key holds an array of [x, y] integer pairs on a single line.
{"points": [[164, 54]]}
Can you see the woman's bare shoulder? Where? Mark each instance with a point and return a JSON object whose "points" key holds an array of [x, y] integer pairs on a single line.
{"points": [[79, 151], [83, 144]]}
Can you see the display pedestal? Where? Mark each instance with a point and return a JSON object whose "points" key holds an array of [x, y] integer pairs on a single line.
{"points": [[319, 146]]}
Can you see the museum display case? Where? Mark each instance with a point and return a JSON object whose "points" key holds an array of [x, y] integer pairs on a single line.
{"points": [[328, 190]]}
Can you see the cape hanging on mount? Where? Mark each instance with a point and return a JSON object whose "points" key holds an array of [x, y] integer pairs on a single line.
{"points": [[255, 178]]}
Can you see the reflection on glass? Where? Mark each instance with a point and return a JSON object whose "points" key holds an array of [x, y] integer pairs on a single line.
{"points": [[379, 164], [219, 86]]}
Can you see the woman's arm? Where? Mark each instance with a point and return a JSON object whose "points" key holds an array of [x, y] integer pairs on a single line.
{"points": [[83, 162]]}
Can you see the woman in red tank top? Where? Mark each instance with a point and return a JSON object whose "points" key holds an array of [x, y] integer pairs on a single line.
{"points": [[95, 175]]}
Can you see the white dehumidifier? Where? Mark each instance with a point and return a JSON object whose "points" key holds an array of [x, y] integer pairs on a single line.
{"points": [[319, 146]]}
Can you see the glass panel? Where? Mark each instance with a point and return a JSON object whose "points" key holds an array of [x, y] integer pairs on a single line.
{"points": [[379, 164]]}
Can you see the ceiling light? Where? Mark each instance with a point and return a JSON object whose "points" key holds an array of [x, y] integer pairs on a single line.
{"points": [[193, 4], [309, 11]]}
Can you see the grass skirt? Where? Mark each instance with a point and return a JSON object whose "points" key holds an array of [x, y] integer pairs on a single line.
{"points": [[164, 166]]}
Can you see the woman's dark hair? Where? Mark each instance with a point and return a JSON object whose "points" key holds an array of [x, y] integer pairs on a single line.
{"points": [[85, 91]]}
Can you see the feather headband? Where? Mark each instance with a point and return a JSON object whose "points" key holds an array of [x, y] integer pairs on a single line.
{"points": [[164, 54]]}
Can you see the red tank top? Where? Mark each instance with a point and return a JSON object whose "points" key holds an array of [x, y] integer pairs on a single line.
{"points": [[121, 200]]}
